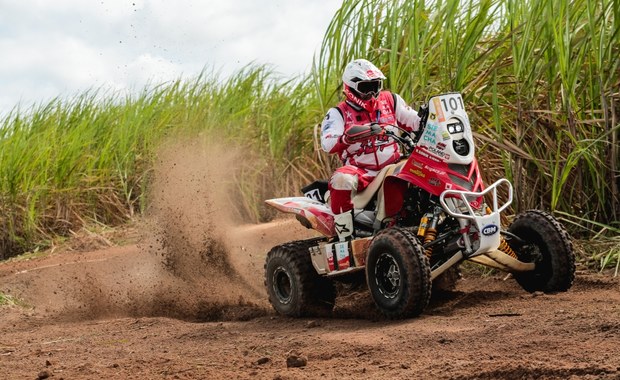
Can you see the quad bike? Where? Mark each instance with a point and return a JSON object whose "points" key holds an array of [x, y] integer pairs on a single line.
{"points": [[420, 218]]}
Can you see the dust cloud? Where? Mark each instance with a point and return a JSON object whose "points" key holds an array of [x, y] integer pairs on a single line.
{"points": [[195, 260], [191, 214]]}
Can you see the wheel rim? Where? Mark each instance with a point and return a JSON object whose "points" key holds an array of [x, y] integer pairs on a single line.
{"points": [[536, 254], [534, 251], [387, 276], [282, 285]]}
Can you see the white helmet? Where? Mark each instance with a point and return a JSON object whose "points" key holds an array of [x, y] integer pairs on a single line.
{"points": [[362, 82]]}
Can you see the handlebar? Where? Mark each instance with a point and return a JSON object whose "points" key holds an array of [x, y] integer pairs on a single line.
{"points": [[410, 140], [404, 140]]}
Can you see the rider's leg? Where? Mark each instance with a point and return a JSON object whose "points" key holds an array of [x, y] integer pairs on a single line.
{"points": [[343, 224], [345, 182]]}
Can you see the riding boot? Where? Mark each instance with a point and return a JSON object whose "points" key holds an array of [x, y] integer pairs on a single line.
{"points": [[343, 223]]}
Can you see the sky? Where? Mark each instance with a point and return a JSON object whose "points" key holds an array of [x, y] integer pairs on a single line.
{"points": [[61, 48]]}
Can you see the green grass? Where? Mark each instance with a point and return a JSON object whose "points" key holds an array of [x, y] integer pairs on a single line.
{"points": [[610, 256], [7, 300], [540, 79], [89, 159]]}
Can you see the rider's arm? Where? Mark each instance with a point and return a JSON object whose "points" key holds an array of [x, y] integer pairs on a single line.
{"points": [[405, 114], [332, 129]]}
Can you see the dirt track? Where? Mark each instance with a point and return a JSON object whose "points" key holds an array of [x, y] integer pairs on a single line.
{"points": [[123, 313], [185, 300]]}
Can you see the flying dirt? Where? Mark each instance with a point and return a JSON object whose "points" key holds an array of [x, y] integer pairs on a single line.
{"points": [[180, 295]]}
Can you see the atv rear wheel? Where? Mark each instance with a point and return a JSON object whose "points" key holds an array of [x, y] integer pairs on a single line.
{"points": [[293, 286], [546, 243], [398, 274]]}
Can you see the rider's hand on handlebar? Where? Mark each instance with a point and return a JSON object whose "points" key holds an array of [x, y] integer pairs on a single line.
{"points": [[359, 133]]}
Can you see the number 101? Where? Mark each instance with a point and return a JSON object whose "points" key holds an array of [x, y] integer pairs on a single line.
{"points": [[452, 103]]}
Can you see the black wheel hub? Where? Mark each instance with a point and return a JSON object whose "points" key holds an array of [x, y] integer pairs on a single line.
{"points": [[282, 285], [387, 275], [530, 253]]}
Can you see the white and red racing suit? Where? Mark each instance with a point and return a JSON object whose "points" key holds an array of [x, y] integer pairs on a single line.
{"points": [[362, 160]]}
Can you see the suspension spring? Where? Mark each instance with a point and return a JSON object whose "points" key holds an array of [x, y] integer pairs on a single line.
{"points": [[504, 247], [430, 236]]}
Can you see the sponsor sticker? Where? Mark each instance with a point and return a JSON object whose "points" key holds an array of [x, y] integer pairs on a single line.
{"points": [[489, 230], [438, 109], [417, 172], [434, 170]]}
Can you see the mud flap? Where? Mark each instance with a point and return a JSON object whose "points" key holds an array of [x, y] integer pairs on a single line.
{"points": [[340, 257]]}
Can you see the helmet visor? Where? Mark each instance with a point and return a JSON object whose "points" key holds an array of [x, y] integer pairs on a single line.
{"points": [[369, 87]]}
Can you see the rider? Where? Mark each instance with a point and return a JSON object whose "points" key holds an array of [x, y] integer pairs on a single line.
{"points": [[365, 103]]}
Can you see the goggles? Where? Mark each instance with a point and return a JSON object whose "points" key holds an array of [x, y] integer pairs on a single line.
{"points": [[368, 87]]}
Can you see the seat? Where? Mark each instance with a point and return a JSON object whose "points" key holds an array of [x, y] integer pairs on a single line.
{"points": [[361, 199]]}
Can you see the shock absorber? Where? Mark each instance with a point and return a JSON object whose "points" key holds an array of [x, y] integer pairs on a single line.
{"points": [[504, 247], [430, 236], [428, 229]]}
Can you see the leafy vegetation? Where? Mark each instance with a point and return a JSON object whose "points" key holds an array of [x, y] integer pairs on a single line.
{"points": [[7, 300], [541, 79]]}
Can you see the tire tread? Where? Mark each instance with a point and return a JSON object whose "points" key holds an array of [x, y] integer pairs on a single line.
{"points": [[418, 280], [316, 294], [556, 238]]}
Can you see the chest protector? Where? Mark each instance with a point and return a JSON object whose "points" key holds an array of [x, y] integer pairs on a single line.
{"points": [[377, 152]]}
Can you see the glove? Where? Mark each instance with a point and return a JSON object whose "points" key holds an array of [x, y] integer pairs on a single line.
{"points": [[359, 133]]}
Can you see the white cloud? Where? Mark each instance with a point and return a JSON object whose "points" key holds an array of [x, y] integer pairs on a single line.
{"points": [[63, 47]]}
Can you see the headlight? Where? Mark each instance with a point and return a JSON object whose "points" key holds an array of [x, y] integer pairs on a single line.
{"points": [[455, 127]]}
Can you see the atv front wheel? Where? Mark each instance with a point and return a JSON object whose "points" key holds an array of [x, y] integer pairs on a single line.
{"points": [[398, 274], [293, 286], [545, 242]]}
